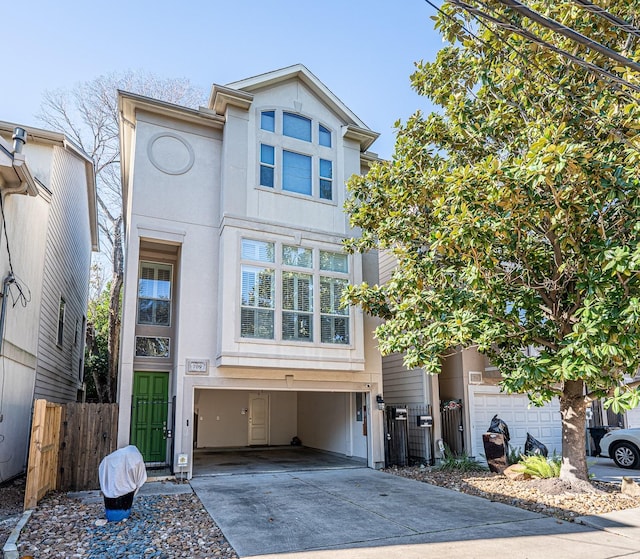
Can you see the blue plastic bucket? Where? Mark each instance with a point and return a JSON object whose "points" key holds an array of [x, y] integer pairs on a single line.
{"points": [[118, 508]]}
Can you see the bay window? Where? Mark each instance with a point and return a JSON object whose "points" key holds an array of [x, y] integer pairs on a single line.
{"points": [[303, 284]]}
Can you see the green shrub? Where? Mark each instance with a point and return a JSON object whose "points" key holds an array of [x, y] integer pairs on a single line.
{"points": [[541, 467], [514, 455], [462, 463]]}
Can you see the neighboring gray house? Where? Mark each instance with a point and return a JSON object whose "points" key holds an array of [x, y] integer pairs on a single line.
{"points": [[464, 397], [232, 330], [49, 229]]}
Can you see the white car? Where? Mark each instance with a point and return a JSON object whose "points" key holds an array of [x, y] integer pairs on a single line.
{"points": [[623, 446]]}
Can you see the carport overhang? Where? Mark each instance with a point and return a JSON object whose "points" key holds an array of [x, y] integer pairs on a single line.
{"points": [[185, 432]]}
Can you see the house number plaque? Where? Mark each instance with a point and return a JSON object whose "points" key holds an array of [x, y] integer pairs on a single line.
{"points": [[197, 366]]}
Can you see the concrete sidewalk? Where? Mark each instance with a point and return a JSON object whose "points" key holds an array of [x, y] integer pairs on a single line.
{"points": [[363, 513]]}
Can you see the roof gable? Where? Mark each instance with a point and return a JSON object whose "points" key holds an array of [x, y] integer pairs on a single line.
{"points": [[240, 93], [302, 73]]}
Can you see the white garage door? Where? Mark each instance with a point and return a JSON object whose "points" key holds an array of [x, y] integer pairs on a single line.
{"points": [[521, 418], [633, 417]]}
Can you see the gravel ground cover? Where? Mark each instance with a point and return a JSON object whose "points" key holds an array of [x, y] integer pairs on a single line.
{"points": [[163, 527], [11, 502], [547, 496]]}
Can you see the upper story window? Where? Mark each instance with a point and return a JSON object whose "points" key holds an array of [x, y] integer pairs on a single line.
{"points": [[296, 126], [326, 179], [154, 294], [289, 293], [267, 165], [268, 121], [296, 172], [296, 155], [324, 136]]}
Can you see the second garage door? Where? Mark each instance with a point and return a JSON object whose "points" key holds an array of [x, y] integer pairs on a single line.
{"points": [[520, 416]]}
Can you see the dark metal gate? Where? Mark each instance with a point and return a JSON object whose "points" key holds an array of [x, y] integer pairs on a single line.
{"points": [[452, 426], [396, 440], [408, 440]]}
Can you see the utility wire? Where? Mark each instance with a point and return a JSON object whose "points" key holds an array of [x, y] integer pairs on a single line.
{"points": [[569, 33], [618, 22], [579, 102], [6, 237], [535, 39]]}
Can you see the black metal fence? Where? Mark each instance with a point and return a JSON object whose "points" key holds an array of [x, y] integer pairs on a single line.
{"points": [[408, 435]]}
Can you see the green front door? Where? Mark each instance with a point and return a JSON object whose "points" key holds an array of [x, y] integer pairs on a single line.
{"points": [[149, 415]]}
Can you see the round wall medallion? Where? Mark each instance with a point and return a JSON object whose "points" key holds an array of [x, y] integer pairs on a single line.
{"points": [[170, 153]]}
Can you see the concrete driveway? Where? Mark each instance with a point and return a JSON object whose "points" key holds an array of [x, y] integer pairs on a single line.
{"points": [[363, 513], [605, 469]]}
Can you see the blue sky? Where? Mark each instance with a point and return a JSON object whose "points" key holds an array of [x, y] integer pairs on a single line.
{"points": [[363, 51]]}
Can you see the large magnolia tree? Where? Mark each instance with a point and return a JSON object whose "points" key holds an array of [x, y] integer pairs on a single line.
{"points": [[513, 214], [88, 114]]}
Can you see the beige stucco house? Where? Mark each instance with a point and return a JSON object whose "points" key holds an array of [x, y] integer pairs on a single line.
{"points": [[49, 229], [232, 331]]}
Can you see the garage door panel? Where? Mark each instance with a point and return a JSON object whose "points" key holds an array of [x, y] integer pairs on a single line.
{"points": [[542, 423], [633, 417]]}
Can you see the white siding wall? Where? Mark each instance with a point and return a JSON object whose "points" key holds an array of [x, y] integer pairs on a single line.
{"points": [[49, 238], [66, 274], [26, 223]]}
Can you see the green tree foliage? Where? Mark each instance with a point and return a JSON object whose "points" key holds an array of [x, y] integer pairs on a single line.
{"points": [[96, 361], [513, 214]]}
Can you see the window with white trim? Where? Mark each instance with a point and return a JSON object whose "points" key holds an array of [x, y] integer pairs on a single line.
{"points": [[257, 306], [295, 154], [334, 319], [267, 165], [154, 294], [296, 126], [305, 286], [324, 136], [296, 172], [326, 179], [268, 121]]}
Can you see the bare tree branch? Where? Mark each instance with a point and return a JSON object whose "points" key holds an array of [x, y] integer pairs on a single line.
{"points": [[88, 114]]}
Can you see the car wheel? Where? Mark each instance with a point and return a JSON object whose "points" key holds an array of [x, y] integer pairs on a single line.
{"points": [[626, 455]]}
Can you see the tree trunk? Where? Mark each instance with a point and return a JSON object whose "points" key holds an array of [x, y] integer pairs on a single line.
{"points": [[114, 309], [573, 407], [92, 349]]}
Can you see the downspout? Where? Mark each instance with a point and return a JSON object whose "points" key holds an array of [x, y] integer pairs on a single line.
{"points": [[8, 280]]}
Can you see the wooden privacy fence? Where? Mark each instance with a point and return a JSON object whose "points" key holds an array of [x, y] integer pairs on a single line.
{"points": [[88, 433], [68, 441], [42, 469]]}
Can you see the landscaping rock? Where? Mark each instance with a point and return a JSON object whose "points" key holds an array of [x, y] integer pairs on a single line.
{"points": [[516, 472]]}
